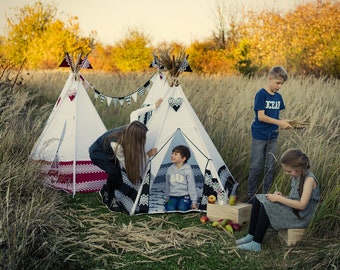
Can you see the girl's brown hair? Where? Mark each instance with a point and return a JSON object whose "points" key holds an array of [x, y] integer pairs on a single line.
{"points": [[296, 159], [133, 139]]}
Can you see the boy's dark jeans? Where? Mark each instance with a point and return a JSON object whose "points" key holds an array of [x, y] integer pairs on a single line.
{"points": [[262, 157]]}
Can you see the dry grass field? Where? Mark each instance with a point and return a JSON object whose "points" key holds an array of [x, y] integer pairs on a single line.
{"points": [[42, 228]]}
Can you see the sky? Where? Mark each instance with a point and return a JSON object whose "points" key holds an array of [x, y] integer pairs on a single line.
{"points": [[174, 20]]}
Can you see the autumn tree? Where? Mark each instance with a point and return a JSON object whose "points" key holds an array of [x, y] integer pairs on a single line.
{"points": [[35, 34], [101, 58], [305, 40], [132, 53], [205, 58], [315, 38], [214, 55]]}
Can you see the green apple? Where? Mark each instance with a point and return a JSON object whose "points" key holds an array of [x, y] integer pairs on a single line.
{"points": [[232, 200]]}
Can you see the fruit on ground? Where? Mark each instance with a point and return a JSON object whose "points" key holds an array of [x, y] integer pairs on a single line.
{"points": [[224, 222], [236, 226], [217, 225], [204, 219], [212, 199], [229, 228], [232, 200]]}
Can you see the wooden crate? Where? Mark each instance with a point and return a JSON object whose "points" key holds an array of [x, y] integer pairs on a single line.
{"points": [[239, 213], [291, 236]]}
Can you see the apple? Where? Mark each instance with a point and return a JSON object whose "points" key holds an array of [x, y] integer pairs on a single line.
{"points": [[232, 200], [236, 226], [212, 199], [204, 219]]}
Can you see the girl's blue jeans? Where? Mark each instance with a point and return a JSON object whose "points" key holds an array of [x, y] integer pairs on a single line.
{"points": [[182, 203], [261, 163]]}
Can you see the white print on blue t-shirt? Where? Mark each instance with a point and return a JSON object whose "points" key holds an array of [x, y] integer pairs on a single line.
{"points": [[273, 105]]}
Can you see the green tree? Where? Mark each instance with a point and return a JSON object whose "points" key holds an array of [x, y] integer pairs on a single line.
{"points": [[133, 53]]}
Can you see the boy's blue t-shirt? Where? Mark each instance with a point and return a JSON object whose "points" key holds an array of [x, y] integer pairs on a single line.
{"points": [[272, 105]]}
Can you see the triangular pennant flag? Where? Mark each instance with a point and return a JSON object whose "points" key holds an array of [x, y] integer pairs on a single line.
{"points": [[108, 100], [67, 61], [134, 96], [128, 100], [85, 64], [155, 62], [115, 101], [140, 91], [121, 101], [147, 84], [185, 66], [64, 63], [102, 98]]}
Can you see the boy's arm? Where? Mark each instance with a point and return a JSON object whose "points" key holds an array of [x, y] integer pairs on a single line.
{"points": [[282, 123], [192, 186], [167, 185]]}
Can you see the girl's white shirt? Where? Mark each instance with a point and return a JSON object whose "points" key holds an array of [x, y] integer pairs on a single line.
{"points": [[118, 149], [135, 114]]}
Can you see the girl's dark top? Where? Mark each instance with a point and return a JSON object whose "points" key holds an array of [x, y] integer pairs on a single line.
{"points": [[97, 149]]}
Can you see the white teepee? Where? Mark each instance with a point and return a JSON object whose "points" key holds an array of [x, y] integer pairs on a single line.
{"points": [[71, 128], [173, 123], [159, 88]]}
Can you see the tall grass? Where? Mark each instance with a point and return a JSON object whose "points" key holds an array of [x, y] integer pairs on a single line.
{"points": [[42, 228], [31, 218]]}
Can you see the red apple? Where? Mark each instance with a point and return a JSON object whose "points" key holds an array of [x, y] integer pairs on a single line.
{"points": [[236, 226], [212, 199], [204, 219]]}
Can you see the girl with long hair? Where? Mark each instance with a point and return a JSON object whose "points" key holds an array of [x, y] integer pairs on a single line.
{"points": [[281, 212], [122, 150]]}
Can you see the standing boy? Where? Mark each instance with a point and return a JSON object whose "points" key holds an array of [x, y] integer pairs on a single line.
{"points": [[180, 190], [267, 106]]}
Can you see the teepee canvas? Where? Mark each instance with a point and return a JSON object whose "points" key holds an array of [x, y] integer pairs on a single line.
{"points": [[71, 128], [173, 123], [159, 88]]}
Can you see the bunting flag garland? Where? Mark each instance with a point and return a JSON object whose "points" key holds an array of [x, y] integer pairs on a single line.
{"points": [[84, 63], [115, 100]]}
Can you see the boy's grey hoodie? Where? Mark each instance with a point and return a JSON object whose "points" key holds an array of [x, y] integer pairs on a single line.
{"points": [[180, 182]]}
